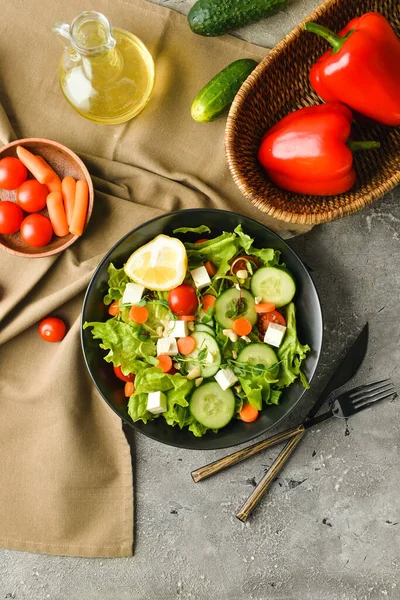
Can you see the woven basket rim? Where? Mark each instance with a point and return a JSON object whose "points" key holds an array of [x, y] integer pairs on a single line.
{"points": [[260, 201]]}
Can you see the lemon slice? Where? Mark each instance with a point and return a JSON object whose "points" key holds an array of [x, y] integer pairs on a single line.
{"points": [[159, 265]]}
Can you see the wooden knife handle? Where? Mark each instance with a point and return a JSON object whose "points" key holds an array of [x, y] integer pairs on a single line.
{"points": [[236, 457], [268, 478]]}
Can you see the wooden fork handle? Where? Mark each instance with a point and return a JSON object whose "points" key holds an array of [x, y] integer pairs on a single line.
{"points": [[236, 457], [268, 478]]}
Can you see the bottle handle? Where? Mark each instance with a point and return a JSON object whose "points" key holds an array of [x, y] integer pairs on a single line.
{"points": [[63, 30]]}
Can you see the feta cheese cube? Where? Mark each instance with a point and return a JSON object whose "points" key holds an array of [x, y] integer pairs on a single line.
{"points": [[274, 334], [178, 329], [226, 378], [168, 346], [200, 277], [156, 402], [133, 293]]}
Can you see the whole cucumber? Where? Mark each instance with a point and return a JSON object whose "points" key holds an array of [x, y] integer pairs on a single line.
{"points": [[216, 17], [218, 94]]}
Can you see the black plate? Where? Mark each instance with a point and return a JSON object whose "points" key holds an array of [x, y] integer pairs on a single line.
{"points": [[309, 318]]}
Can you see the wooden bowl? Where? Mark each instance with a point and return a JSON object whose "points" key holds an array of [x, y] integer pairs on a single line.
{"points": [[64, 162], [280, 85]]}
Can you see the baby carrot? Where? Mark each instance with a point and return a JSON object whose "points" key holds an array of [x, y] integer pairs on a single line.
{"points": [[248, 413], [57, 214], [68, 186], [164, 363], [39, 168], [242, 326], [208, 301], [80, 208], [138, 314], [186, 345]]}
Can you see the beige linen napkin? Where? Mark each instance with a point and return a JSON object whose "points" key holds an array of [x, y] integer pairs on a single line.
{"points": [[65, 477]]}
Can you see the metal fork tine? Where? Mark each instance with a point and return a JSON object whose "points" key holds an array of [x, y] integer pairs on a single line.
{"points": [[372, 395], [372, 387], [371, 402]]}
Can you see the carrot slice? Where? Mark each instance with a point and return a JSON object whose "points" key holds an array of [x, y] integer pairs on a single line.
{"points": [[129, 389], [186, 345], [187, 317], [57, 214], [248, 413], [39, 168], [242, 326], [265, 307], [208, 301], [113, 309], [210, 268], [68, 186], [201, 241], [164, 363], [138, 314], [77, 224]]}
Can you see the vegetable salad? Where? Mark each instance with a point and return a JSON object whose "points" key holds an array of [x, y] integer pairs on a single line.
{"points": [[202, 333]]}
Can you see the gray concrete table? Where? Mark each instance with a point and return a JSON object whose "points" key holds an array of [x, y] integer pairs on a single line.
{"points": [[329, 529]]}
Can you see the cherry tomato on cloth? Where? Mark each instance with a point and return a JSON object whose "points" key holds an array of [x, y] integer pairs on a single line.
{"points": [[36, 230], [118, 372], [183, 300], [11, 217], [52, 329], [12, 173], [264, 319], [31, 195], [240, 263]]}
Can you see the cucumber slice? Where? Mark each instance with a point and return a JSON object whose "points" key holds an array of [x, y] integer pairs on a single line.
{"points": [[212, 361], [273, 285], [258, 354], [205, 328], [211, 406], [203, 315], [228, 301]]}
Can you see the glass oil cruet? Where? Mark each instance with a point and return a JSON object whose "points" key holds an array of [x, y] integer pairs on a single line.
{"points": [[106, 74]]}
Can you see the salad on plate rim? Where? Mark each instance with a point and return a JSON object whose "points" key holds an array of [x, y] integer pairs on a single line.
{"points": [[202, 332]]}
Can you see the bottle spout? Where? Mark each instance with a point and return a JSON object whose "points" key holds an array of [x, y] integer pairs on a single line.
{"points": [[64, 31]]}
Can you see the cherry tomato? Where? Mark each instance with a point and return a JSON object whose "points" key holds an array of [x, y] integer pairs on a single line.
{"points": [[240, 263], [36, 230], [52, 329], [264, 319], [11, 217], [183, 300], [31, 195], [12, 173], [118, 372]]}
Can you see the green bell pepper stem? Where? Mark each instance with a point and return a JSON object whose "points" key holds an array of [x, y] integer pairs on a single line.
{"points": [[364, 145], [335, 40]]}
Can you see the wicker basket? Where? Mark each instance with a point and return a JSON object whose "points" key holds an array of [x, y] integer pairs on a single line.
{"points": [[280, 85]]}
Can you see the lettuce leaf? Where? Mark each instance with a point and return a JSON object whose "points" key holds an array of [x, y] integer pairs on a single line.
{"points": [[200, 229], [123, 343], [117, 280], [219, 250], [291, 353]]}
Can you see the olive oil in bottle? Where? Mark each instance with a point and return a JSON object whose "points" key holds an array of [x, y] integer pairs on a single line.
{"points": [[106, 74]]}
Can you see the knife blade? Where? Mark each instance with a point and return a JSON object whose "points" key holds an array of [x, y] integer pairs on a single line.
{"points": [[345, 371]]}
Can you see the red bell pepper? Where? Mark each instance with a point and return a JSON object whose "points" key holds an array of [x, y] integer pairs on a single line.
{"points": [[308, 151], [363, 68]]}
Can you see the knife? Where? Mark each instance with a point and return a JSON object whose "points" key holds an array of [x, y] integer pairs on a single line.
{"points": [[343, 374]]}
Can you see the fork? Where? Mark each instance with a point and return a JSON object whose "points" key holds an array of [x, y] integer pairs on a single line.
{"points": [[343, 406]]}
